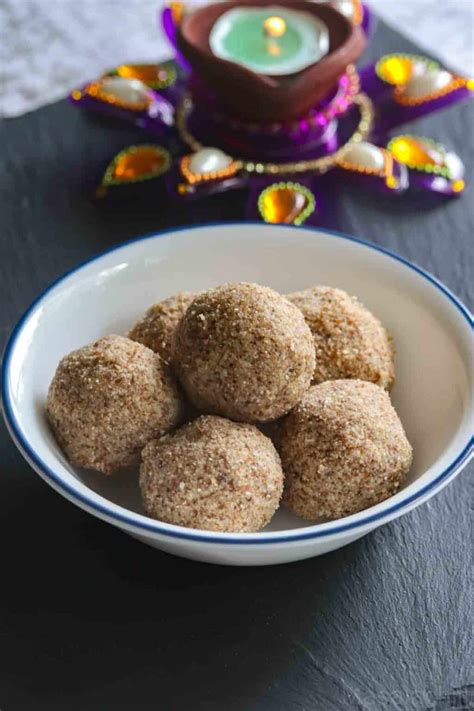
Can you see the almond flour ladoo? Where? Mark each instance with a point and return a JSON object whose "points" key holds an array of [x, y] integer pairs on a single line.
{"points": [[107, 400], [350, 342], [157, 328], [212, 474], [244, 352], [343, 449]]}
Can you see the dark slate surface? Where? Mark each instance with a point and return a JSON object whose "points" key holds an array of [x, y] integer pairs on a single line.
{"points": [[91, 619]]}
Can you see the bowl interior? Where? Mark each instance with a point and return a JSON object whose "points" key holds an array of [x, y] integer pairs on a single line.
{"points": [[432, 393]]}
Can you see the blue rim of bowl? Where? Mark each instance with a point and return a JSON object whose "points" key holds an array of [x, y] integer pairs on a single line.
{"points": [[152, 526]]}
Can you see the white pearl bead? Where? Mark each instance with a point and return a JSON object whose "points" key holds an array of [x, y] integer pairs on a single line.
{"points": [[366, 155], [454, 165], [209, 160], [418, 67], [132, 91], [429, 82], [345, 7]]}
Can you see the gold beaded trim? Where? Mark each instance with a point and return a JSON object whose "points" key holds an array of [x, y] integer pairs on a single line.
{"points": [[96, 92], [193, 178], [456, 83], [320, 165]]}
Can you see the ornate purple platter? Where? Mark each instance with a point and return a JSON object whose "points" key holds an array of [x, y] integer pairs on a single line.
{"points": [[204, 148]]}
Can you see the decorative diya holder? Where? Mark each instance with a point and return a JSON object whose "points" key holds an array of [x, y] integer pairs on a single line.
{"points": [[214, 138]]}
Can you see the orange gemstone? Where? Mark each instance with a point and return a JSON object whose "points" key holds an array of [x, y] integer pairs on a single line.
{"points": [[283, 205], [395, 69], [177, 10], [413, 152], [138, 163], [147, 73], [458, 186]]}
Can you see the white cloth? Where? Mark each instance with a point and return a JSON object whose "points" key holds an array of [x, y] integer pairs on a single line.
{"points": [[47, 47]]}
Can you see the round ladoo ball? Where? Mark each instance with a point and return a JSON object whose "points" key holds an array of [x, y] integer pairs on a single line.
{"points": [[212, 474], [157, 328], [244, 352], [350, 341], [107, 400], [343, 449]]}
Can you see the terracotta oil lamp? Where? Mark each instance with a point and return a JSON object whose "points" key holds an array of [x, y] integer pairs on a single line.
{"points": [[302, 47]]}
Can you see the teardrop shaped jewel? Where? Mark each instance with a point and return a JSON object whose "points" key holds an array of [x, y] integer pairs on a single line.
{"points": [[286, 203], [368, 159], [427, 83], [426, 155], [398, 69], [126, 93], [135, 164], [364, 156], [417, 79], [208, 164], [156, 76]]}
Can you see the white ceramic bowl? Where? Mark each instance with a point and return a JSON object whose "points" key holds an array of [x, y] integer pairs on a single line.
{"points": [[433, 394]]}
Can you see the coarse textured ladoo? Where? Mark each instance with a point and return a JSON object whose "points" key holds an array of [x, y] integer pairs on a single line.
{"points": [[350, 341], [157, 328], [343, 449], [244, 352], [212, 474], [107, 400]]}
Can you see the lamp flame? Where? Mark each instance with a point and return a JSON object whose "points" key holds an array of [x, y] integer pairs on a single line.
{"points": [[274, 27]]}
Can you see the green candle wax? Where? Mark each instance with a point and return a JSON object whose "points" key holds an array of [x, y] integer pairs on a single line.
{"points": [[239, 36]]}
